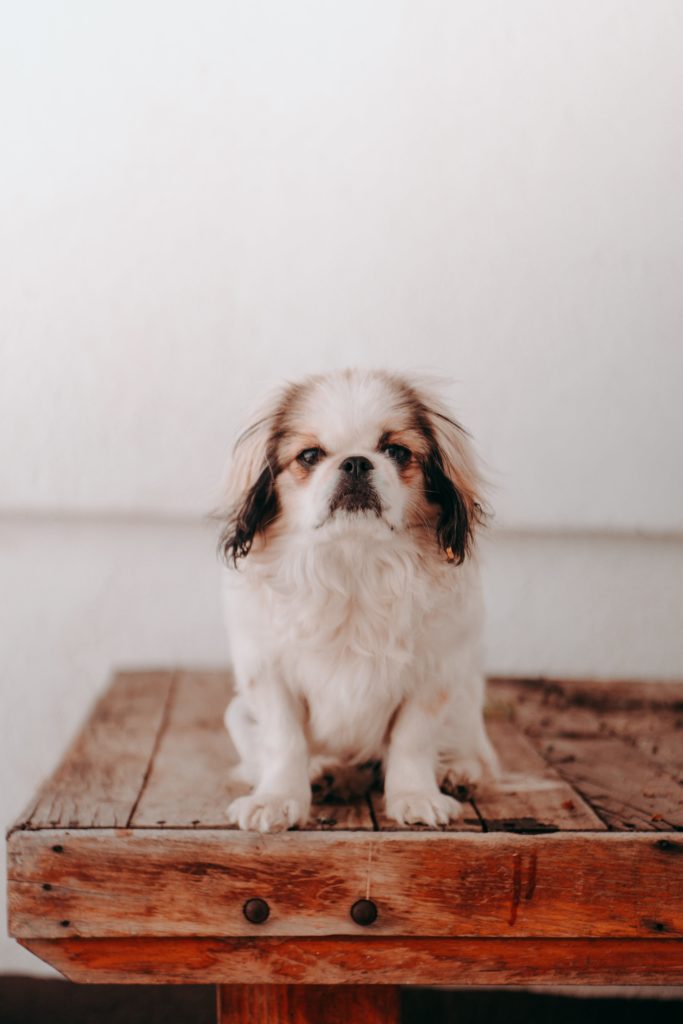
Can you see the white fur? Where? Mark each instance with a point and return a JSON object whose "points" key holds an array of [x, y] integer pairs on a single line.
{"points": [[352, 639]]}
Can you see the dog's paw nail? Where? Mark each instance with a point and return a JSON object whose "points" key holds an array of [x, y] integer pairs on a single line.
{"points": [[268, 812], [423, 809]]}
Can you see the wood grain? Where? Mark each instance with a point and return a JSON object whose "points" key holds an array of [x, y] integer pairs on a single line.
{"points": [[531, 796], [378, 960], [620, 744], [657, 731], [599, 695], [186, 883], [99, 780], [660, 737], [627, 789], [308, 1004], [188, 784]]}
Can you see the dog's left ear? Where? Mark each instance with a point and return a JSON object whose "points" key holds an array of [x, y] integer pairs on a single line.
{"points": [[250, 503], [452, 479]]}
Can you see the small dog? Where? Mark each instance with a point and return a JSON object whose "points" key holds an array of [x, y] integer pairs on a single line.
{"points": [[355, 612]]}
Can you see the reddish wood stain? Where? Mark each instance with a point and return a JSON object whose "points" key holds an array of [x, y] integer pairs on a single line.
{"points": [[516, 887], [531, 880]]}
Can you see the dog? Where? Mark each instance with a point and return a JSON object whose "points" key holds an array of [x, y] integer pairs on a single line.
{"points": [[354, 602]]}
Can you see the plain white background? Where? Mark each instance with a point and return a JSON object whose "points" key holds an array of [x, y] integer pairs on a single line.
{"points": [[199, 199]]}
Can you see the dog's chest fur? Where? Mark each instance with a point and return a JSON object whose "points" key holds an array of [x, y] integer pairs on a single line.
{"points": [[353, 627]]}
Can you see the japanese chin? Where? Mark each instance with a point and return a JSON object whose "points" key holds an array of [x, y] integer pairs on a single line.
{"points": [[353, 598]]}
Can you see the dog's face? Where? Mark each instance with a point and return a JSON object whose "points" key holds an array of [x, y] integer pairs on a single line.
{"points": [[353, 450]]}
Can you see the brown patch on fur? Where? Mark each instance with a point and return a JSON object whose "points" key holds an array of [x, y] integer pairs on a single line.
{"points": [[290, 447], [409, 437], [252, 502], [411, 474], [452, 481], [437, 703], [302, 474]]}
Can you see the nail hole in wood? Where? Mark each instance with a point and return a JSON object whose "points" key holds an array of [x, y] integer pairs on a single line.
{"points": [[668, 847]]}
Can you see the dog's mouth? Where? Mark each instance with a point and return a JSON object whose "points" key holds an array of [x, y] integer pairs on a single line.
{"points": [[356, 497]]}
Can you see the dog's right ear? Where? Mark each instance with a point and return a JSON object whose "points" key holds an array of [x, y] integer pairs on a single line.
{"points": [[250, 503], [453, 481]]}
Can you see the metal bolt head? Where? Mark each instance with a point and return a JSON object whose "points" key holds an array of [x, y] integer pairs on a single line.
{"points": [[256, 910], [364, 912]]}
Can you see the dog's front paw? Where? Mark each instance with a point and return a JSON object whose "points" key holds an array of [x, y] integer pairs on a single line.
{"points": [[268, 812], [423, 808], [468, 773]]}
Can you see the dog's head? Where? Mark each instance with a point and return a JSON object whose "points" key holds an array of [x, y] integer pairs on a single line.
{"points": [[356, 450]]}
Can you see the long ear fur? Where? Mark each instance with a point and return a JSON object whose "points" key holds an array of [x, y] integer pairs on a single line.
{"points": [[452, 477], [250, 501]]}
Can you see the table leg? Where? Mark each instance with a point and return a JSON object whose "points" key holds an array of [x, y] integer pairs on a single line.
{"points": [[308, 1004]]}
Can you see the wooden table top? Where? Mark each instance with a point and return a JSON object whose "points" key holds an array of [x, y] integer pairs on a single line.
{"points": [[126, 849]]}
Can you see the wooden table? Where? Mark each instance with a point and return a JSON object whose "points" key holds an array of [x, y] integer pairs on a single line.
{"points": [[123, 869]]}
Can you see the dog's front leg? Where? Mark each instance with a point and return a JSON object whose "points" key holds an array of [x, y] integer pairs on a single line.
{"points": [[411, 793], [281, 798]]}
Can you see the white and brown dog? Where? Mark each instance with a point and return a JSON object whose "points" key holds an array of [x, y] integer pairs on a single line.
{"points": [[354, 601]]}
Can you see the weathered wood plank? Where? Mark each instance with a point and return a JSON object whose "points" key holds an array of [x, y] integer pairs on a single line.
{"points": [[360, 960], [660, 737], [626, 788], [600, 695], [189, 784], [307, 1004], [639, 727], [99, 779], [530, 797], [187, 883], [657, 734], [656, 731], [621, 694]]}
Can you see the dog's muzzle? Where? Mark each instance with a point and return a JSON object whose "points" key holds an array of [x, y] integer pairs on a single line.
{"points": [[355, 492]]}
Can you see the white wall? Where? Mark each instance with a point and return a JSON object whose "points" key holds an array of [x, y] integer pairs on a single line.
{"points": [[197, 199]]}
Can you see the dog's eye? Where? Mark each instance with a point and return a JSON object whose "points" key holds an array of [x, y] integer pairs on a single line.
{"points": [[309, 456], [398, 453]]}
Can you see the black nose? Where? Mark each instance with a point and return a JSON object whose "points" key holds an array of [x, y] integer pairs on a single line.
{"points": [[356, 466]]}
